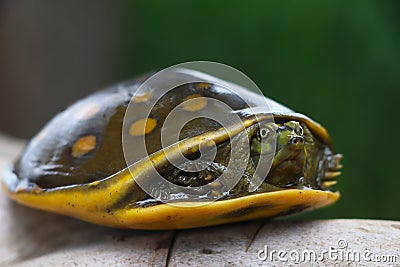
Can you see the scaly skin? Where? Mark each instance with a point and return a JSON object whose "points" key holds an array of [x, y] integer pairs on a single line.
{"points": [[290, 153]]}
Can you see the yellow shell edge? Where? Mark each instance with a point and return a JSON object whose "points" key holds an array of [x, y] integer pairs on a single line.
{"points": [[164, 216]]}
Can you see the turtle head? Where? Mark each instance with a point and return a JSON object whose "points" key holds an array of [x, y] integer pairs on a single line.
{"points": [[285, 142], [290, 138]]}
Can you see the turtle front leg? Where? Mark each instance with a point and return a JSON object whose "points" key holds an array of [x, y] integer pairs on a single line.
{"points": [[255, 180]]}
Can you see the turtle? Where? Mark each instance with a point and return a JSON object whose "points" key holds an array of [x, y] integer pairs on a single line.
{"points": [[77, 164]]}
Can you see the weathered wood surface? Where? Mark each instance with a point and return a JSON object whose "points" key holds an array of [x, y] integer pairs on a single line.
{"points": [[34, 238]]}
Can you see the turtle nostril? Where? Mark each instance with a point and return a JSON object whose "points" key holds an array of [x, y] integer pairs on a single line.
{"points": [[297, 140]]}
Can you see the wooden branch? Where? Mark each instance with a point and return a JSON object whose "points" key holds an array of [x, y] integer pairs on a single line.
{"points": [[31, 238]]}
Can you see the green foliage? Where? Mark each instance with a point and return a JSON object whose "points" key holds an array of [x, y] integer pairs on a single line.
{"points": [[336, 61]]}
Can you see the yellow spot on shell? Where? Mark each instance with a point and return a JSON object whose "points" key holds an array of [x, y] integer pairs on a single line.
{"points": [[202, 86], [142, 127], [142, 97], [197, 102], [83, 146], [87, 112]]}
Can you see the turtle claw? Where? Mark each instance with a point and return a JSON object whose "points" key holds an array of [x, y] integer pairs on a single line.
{"points": [[330, 175], [332, 166], [332, 162], [328, 184]]}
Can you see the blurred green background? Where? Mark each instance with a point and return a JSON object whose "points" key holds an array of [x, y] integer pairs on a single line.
{"points": [[336, 61]]}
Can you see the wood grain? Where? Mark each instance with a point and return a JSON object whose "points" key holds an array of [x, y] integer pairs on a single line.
{"points": [[32, 238]]}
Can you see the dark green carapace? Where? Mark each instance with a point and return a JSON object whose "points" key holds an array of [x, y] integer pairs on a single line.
{"points": [[76, 165]]}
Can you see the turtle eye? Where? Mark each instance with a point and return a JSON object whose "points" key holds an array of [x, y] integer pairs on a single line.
{"points": [[300, 130], [264, 133]]}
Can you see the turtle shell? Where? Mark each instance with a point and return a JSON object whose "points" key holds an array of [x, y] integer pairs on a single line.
{"points": [[76, 164]]}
